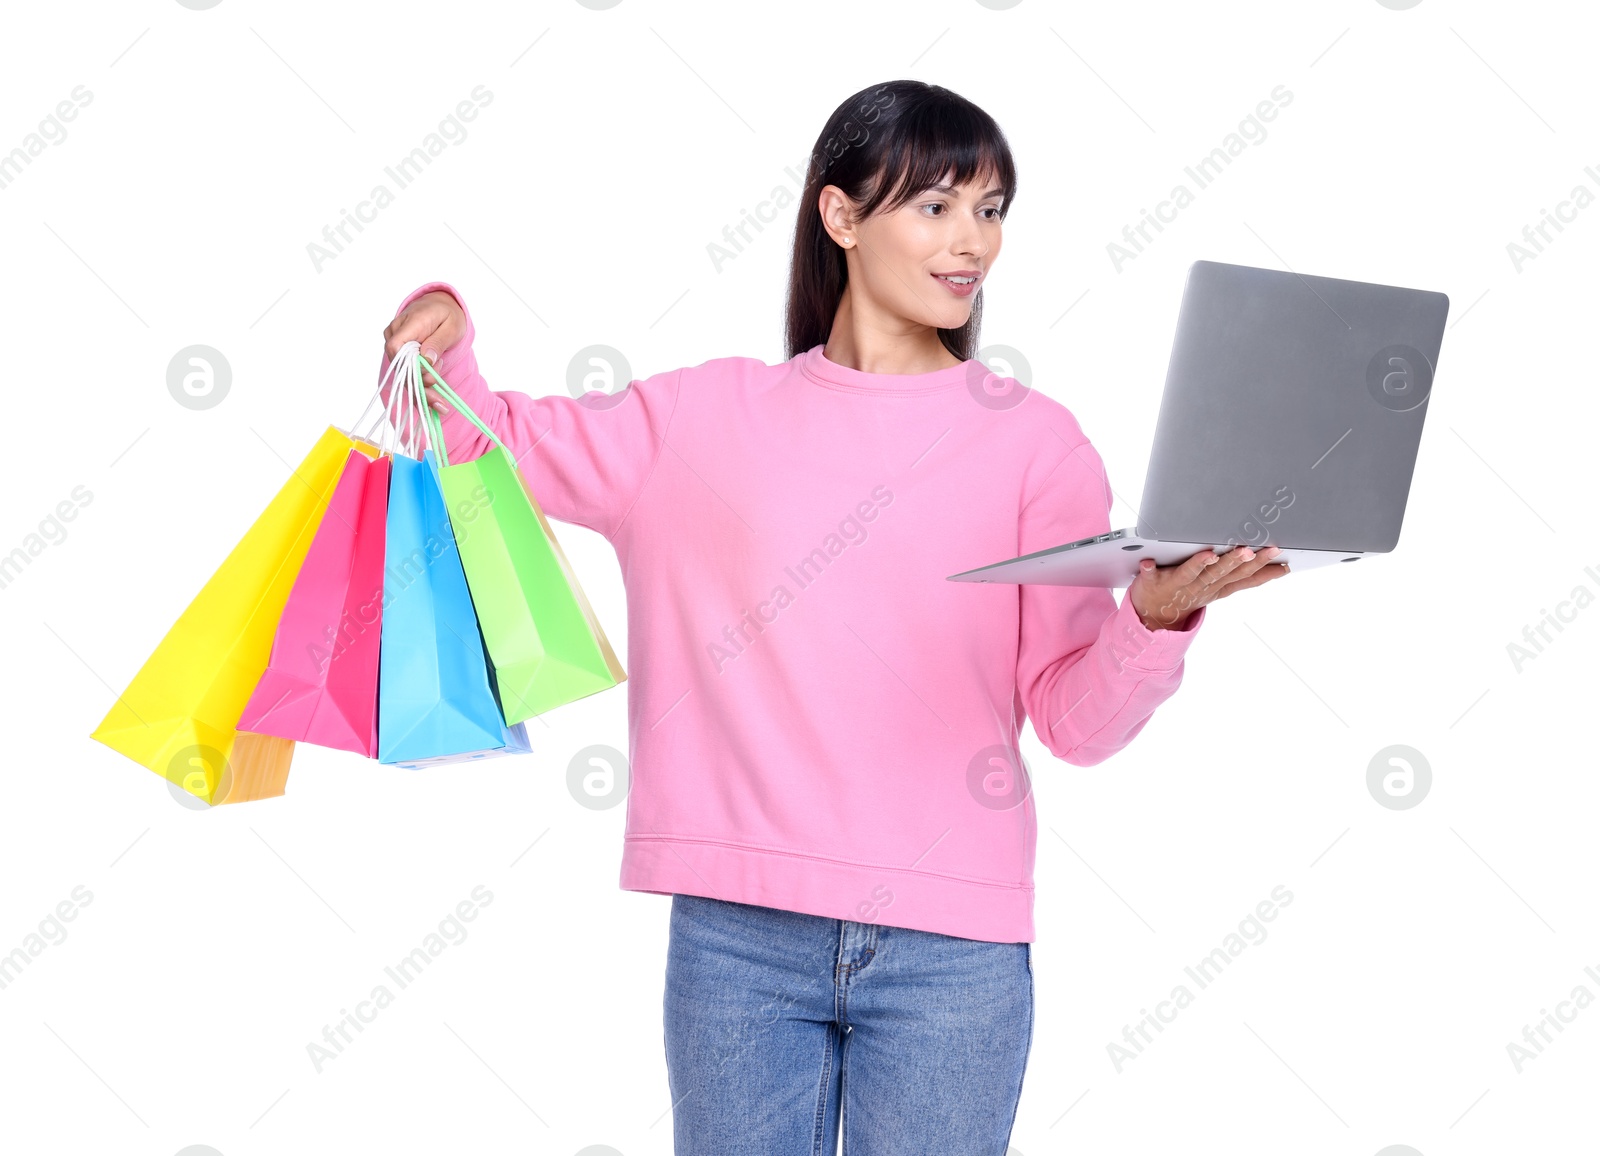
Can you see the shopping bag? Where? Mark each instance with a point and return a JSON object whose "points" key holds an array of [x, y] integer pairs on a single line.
{"points": [[544, 641], [321, 682], [516, 744], [435, 699], [179, 715]]}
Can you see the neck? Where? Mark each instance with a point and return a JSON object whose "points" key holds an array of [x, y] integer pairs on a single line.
{"points": [[874, 341]]}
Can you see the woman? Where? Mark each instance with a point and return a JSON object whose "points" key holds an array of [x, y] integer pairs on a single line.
{"points": [[824, 730]]}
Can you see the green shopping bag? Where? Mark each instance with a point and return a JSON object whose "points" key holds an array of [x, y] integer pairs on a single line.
{"points": [[543, 638]]}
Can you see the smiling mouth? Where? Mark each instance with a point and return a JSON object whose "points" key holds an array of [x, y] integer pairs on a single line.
{"points": [[955, 279]]}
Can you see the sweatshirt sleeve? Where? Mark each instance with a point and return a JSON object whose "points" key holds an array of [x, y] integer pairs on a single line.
{"points": [[586, 460], [1089, 673]]}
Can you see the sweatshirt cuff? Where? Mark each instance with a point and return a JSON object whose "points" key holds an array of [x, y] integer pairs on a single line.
{"points": [[1154, 651]]}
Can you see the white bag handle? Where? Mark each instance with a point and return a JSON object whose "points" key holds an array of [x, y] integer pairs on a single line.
{"points": [[419, 398], [377, 395], [402, 400]]}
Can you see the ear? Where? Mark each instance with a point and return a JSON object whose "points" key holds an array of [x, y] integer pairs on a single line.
{"points": [[837, 212]]}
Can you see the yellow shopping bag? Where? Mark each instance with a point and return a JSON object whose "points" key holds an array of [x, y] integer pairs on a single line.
{"points": [[179, 714]]}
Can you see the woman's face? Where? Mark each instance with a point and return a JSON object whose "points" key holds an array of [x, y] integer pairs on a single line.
{"points": [[914, 262]]}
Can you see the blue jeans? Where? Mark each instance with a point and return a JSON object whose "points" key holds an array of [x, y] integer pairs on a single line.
{"points": [[780, 1027]]}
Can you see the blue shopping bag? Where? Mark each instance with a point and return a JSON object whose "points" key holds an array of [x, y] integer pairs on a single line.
{"points": [[436, 700]]}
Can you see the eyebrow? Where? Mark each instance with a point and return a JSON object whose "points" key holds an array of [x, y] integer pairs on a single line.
{"points": [[951, 189]]}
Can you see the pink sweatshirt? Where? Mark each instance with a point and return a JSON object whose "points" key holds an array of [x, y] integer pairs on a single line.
{"points": [[818, 721]]}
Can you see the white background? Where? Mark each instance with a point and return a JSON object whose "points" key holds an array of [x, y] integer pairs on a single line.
{"points": [[1418, 144]]}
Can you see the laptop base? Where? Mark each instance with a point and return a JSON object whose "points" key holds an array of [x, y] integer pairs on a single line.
{"points": [[1112, 560]]}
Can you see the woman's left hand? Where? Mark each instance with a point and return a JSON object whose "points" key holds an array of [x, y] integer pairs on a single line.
{"points": [[1163, 596]]}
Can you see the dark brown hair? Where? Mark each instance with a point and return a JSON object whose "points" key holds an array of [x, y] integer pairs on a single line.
{"points": [[882, 147]]}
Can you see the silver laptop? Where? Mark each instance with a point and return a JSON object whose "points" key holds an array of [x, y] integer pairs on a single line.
{"points": [[1291, 418]]}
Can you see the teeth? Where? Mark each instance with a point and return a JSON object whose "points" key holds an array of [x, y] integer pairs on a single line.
{"points": [[956, 280]]}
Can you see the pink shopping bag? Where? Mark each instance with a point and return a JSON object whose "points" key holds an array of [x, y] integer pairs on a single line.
{"points": [[321, 683]]}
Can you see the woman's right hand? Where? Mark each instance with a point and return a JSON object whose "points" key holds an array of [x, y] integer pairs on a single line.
{"points": [[436, 322]]}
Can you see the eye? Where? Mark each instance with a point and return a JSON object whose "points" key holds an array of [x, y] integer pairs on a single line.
{"points": [[934, 205], [992, 209]]}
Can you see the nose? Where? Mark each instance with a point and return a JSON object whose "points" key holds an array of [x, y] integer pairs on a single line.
{"points": [[969, 238]]}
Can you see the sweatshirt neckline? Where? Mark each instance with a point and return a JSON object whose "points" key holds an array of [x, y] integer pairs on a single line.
{"points": [[834, 376]]}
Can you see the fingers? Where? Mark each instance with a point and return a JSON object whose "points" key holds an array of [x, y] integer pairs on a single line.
{"points": [[1195, 564], [410, 325], [1216, 574], [1236, 563], [1190, 583], [1206, 576], [1245, 571], [1258, 577], [435, 322], [424, 321], [436, 401], [435, 340]]}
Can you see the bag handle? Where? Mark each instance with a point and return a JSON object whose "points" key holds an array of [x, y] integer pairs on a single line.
{"points": [[393, 439], [432, 427], [430, 430], [455, 401], [400, 413], [377, 395]]}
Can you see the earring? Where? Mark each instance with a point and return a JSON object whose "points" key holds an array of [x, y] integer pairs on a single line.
{"points": [[847, 241]]}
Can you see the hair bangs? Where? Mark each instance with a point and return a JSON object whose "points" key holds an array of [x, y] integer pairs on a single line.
{"points": [[940, 145]]}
